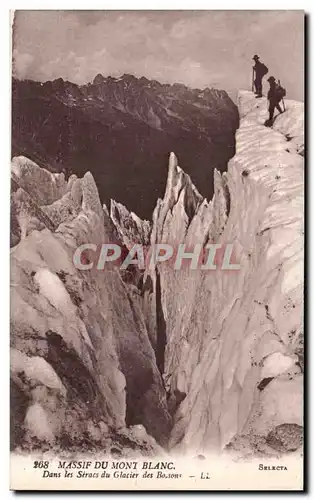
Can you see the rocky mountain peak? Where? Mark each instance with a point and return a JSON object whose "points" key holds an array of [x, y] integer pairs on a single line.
{"points": [[129, 77], [99, 79]]}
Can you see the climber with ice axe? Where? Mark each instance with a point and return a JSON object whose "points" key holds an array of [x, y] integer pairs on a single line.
{"points": [[275, 95], [259, 71]]}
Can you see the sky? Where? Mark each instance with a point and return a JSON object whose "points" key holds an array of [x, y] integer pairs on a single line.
{"points": [[198, 48]]}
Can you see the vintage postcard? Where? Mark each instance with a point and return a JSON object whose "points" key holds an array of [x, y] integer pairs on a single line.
{"points": [[157, 234]]}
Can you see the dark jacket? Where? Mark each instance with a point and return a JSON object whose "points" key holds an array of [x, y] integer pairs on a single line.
{"points": [[259, 69], [272, 93]]}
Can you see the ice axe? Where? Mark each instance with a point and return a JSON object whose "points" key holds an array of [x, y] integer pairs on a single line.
{"points": [[283, 102]]}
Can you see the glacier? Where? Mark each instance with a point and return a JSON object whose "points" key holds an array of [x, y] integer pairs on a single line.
{"points": [[192, 360]]}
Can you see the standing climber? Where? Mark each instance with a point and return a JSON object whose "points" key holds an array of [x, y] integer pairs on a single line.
{"points": [[259, 71], [274, 97]]}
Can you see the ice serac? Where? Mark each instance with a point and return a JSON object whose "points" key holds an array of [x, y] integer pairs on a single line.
{"points": [[131, 229], [83, 371], [231, 342], [202, 360]]}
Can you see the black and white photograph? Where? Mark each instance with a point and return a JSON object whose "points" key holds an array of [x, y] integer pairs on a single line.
{"points": [[157, 250]]}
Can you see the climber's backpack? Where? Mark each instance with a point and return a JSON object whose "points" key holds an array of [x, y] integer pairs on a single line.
{"points": [[263, 69], [280, 91]]}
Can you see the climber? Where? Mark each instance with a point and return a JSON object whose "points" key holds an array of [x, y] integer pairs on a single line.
{"points": [[260, 70], [274, 97]]}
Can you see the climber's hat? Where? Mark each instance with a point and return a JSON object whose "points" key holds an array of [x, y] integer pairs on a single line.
{"points": [[271, 79], [255, 58]]}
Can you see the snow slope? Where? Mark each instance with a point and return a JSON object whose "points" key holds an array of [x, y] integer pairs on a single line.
{"points": [[89, 347], [234, 340]]}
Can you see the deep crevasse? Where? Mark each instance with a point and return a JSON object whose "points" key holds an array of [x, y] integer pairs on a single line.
{"points": [[234, 353], [233, 361]]}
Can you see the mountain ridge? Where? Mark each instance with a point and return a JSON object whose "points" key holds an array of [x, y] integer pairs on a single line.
{"points": [[122, 130]]}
